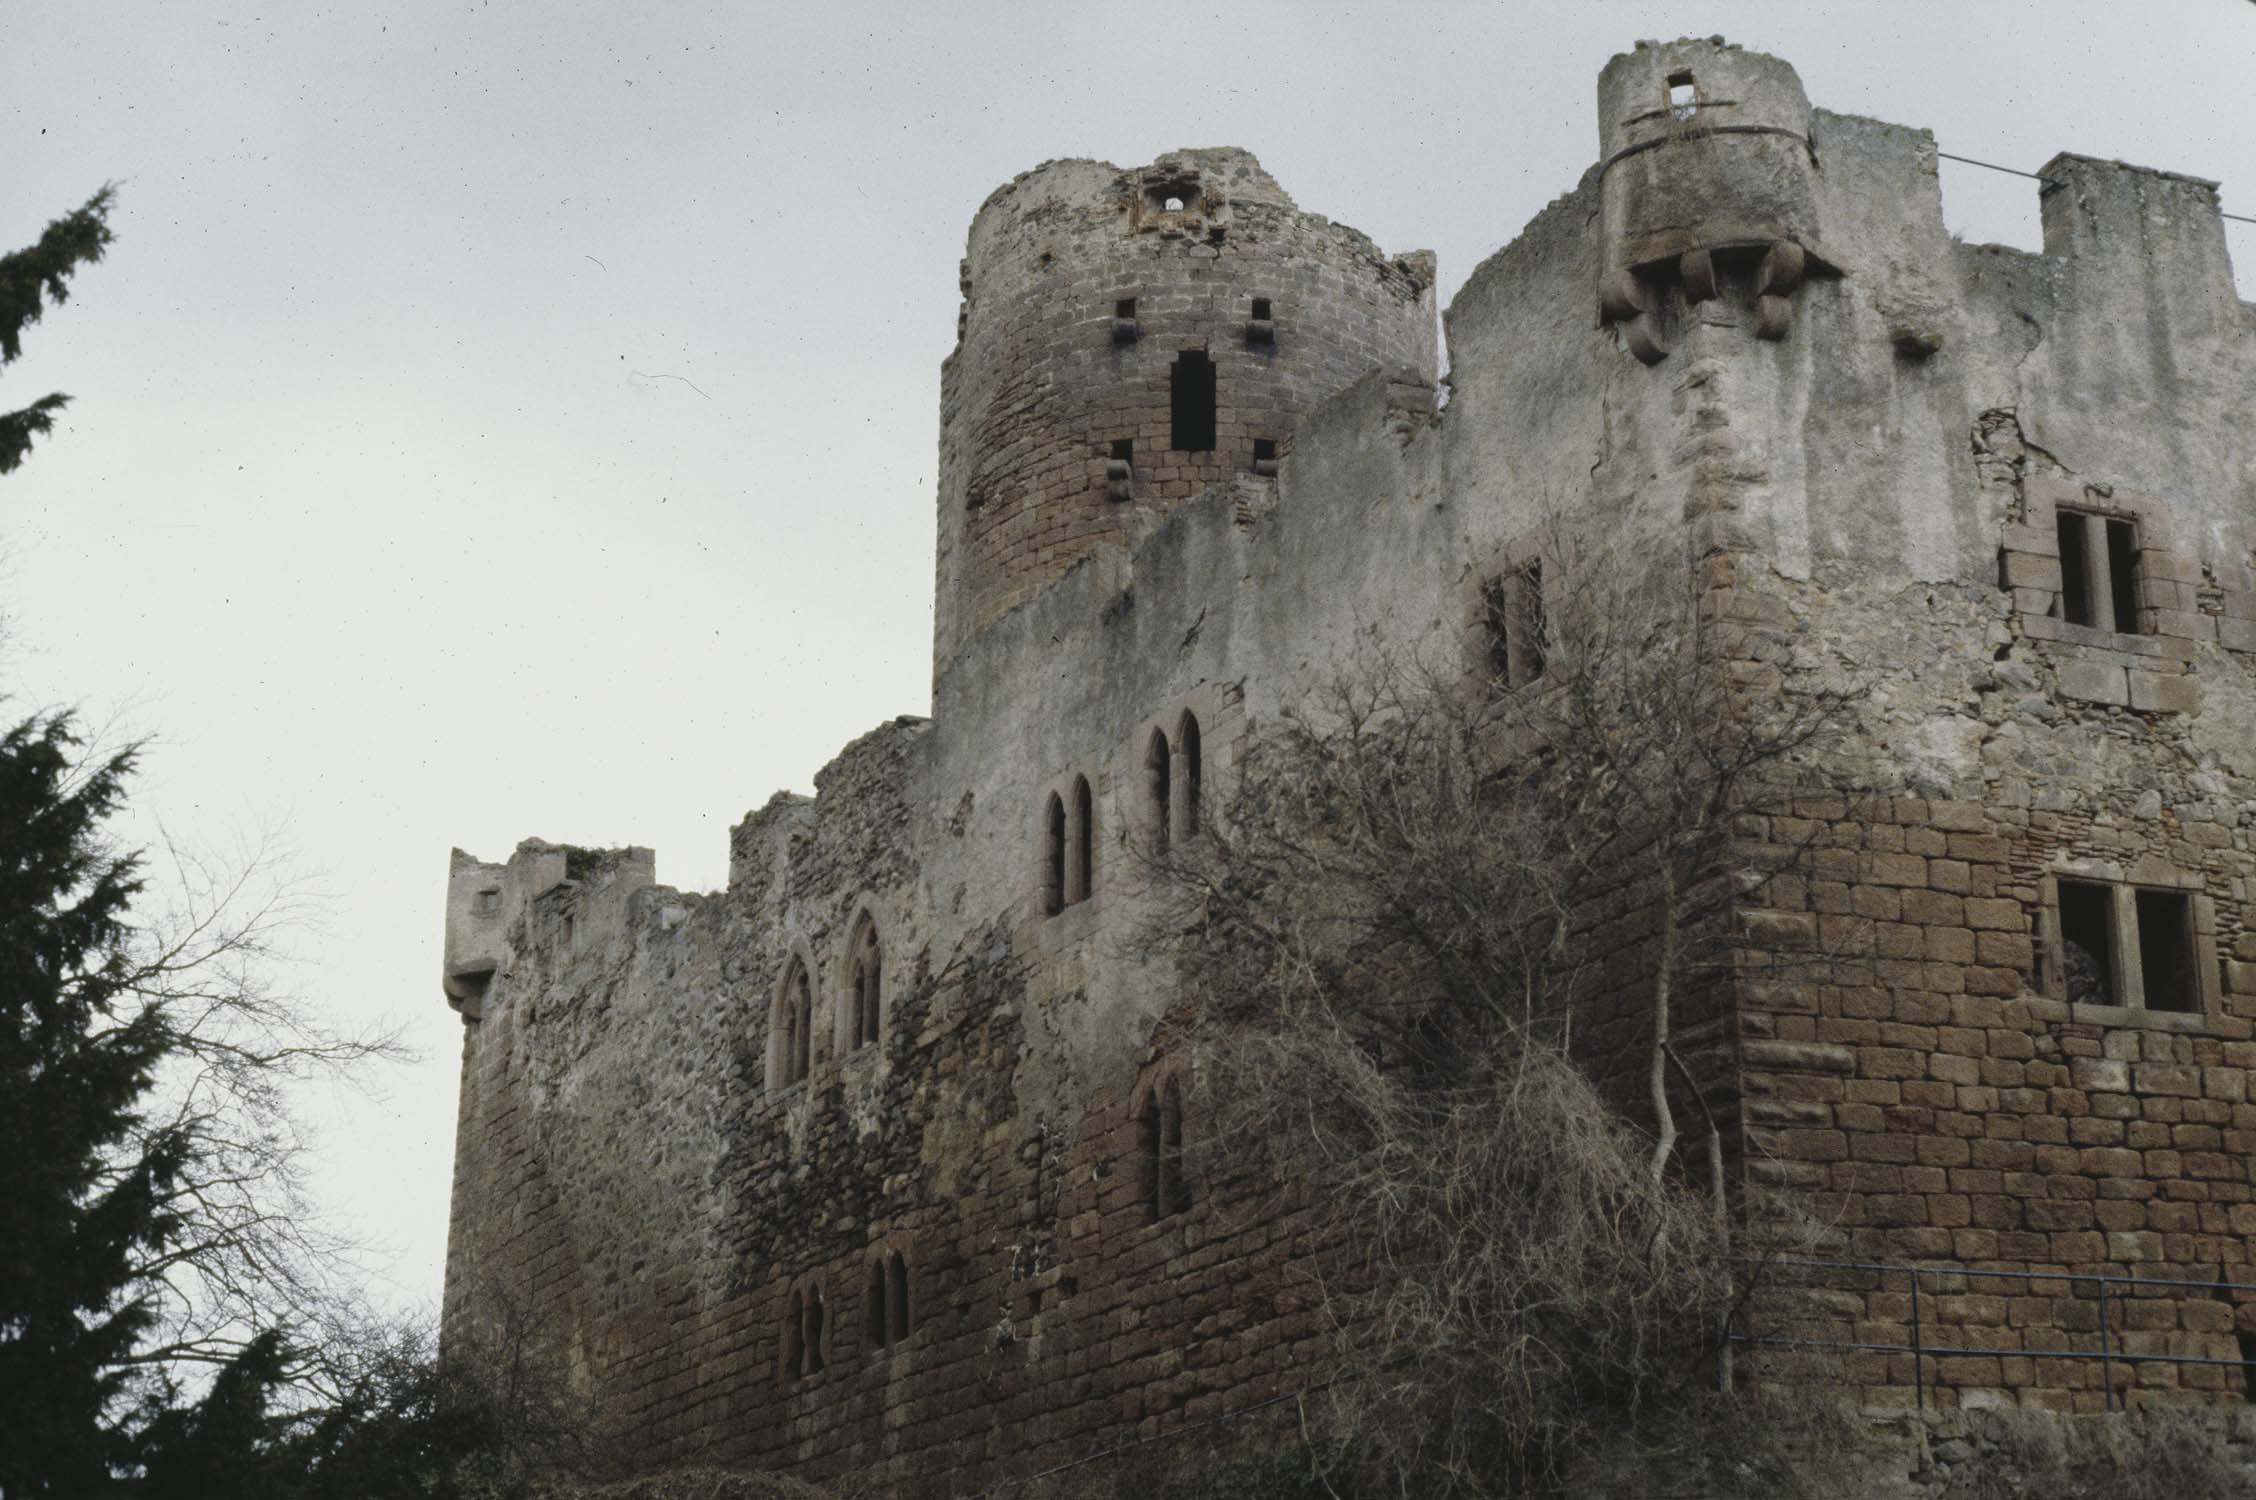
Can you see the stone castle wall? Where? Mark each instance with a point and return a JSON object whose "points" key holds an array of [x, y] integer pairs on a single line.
{"points": [[1859, 492], [1082, 290]]}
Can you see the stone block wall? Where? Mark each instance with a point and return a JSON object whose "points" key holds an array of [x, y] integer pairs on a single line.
{"points": [[1081, 292]]}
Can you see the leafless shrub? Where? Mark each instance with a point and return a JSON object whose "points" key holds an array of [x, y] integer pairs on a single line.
{"points": [[1432, 906]]}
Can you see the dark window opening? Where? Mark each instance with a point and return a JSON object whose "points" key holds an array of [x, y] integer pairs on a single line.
{"points": [[973, 500], [1192, 399], [1261, 307], [812, 1337], [1053, 858], [2247, 1366], [1264, 450], [1084, 839], [2075, 570], [797, 1028], [897, 1302], [873, 1308], [2122, 574], [1165, 1193], [1158, 770], [1124, 308], [866, 983], [2087, 944], [1124, 449], [2165, 939], [1187, 748], [1513, 627]]}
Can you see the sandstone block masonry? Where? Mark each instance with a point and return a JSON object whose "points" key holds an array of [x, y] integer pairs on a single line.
{"points": [[874, 1159]]}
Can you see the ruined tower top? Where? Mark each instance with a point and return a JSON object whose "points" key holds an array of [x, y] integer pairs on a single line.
{"points": [[1707, 183], [1130, 337]]}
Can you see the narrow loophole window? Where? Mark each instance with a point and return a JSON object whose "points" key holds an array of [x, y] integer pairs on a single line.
{"points": [[897, 1303], [2166, 962], [1187, 751], [1053, 856], [873, 1308], [1084, 840], [1191, 393], [1160, 781], [2087, 944]]}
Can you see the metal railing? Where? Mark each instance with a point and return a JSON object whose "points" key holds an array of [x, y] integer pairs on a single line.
{"points": [[2107, 1356]]}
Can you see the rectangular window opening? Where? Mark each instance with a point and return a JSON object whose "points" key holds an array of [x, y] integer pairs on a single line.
{"points": [[1124, 308], [2165, 939], [1261, 307], [1191, 392], [2087, 944], [2075, 572], [1683, 98], [1264, 450], [1124, 449], [2122, 574], [2248, 1366]]}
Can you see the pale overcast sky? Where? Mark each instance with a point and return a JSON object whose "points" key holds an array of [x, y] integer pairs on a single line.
{"points": [[506, 419]]}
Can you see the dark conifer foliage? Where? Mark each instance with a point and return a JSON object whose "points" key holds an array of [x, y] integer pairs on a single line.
{"points": [[29, 279], [83, 1212]]}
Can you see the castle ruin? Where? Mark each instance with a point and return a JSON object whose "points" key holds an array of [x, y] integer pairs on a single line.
{"points": [[851, 1164]]}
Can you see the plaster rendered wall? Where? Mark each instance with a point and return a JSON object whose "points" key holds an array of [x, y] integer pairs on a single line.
{"points": [[631, 1184]]}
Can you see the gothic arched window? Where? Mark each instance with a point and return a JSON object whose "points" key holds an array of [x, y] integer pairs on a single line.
{"points": [[865, 984]]}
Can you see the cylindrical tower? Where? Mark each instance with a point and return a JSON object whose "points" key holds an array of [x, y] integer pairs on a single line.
{"points": [[1130, 337], [1707, 184]]}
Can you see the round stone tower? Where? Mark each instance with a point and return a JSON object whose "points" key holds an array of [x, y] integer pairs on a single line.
{"points": [[1707, 185], [1130, 337]]}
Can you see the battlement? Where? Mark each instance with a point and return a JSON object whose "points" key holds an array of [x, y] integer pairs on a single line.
{"points": [[547, 897]]}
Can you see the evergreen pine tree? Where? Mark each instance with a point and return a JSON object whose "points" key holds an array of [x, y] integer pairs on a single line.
{"points": [[80, 1217], [29, 279]]}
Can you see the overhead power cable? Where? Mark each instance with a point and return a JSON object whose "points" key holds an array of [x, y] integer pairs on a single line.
{"points": [[2038, 177]]}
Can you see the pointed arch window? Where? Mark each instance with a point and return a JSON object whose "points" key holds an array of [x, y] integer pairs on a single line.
{"points": [[1188, 773], [865, 984], [795, 1025], [885, 1306], [1166, 1192], [806, 1334], [1053, 856], [1159, 780], [1084, 831]]}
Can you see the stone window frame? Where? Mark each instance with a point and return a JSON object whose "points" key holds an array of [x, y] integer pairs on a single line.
{"points": [[878, 1261], [2148, 668], [1179, 733], [2124, 882], [799, 1358], [1081, 881], [844, 1040], [798, 958], [1162, 1178], [1509, 561]]}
